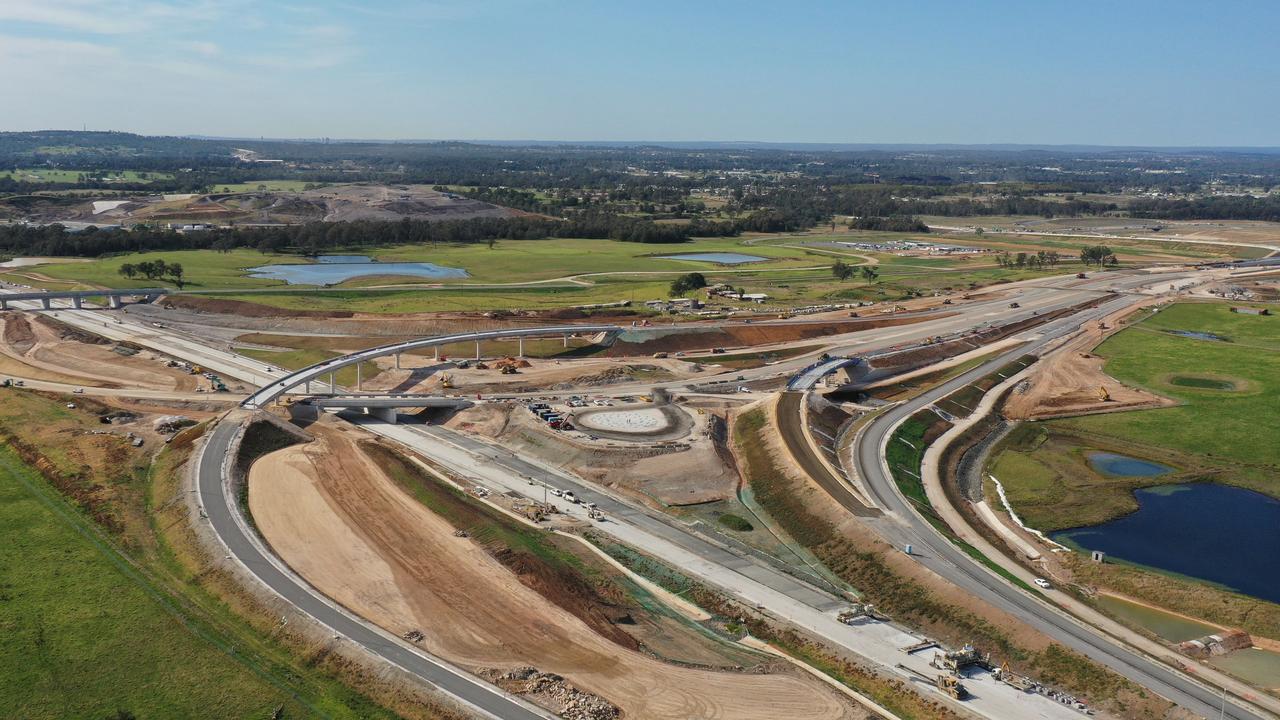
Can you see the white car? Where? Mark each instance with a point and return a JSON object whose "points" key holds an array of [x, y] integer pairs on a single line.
{"points": [[78, 391], [557, 492], [1041, 582], [571, 497]]}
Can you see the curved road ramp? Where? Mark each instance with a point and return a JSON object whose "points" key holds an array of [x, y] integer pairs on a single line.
{"points": [[264, 396]]}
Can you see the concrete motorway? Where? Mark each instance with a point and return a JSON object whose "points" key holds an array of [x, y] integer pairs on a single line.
{"points": [[902, 525], [218, 502], [700, 554]]}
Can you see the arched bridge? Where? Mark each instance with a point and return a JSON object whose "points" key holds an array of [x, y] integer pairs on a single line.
{"points": [[326, 369]]}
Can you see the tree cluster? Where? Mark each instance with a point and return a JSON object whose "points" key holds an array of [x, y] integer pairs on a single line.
{"points": [[154, 270], [685, 283], [1098, 255], [1041, 259]]}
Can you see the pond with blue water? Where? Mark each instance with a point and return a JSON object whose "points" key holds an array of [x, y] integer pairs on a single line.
{"points": [[1113, 464], [334, 269], [722, 258], [1221, 534]]}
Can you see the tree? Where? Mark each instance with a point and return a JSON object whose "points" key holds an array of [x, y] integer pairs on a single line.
{"points": [[176, 272], [869, 273], [685, 283], [1021, 259], [1097, 254], [129, 270], [842, 270]]}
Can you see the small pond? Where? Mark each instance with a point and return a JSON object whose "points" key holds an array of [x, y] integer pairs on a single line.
{"points": [[333, 269], [1198, 335], [1217, 533], [1169, 626], [1113, 464], [722, 258]]}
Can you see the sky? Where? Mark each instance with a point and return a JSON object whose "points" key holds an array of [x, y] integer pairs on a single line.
{"points": [[1137, 72]]}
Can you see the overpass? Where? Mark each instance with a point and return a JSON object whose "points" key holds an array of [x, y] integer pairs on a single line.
{"points": [[328, 368], [809, 376], [384, 407], [115, 298]]}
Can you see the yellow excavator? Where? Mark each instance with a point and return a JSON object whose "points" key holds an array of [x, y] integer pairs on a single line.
{"points": [[1103, 395]]}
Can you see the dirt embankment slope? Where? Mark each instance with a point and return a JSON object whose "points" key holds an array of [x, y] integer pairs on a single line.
{"points": [[1071, 381], [338, 520], [41, 348]]}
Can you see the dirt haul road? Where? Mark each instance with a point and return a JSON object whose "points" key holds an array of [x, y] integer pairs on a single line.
{"points": [[347, 528]]}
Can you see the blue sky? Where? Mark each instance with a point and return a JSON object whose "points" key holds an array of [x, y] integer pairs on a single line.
{"points": [[1133, 72]]}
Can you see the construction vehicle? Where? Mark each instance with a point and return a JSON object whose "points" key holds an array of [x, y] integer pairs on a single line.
{"points": [[1103, 395], [508, 370], [949, 684], [957, 660], [851, 614], [446, 380], [1013, 679]]}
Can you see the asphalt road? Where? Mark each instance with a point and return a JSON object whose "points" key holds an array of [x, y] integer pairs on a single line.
{"points": [[904, 525], [218, 505]]}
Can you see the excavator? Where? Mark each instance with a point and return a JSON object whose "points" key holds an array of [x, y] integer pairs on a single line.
{"points": [[1103, 395]]}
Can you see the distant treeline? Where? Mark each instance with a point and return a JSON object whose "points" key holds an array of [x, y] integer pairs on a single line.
{"points": [[897, 223], [885, 201], [312, 238], [1222, 207]]}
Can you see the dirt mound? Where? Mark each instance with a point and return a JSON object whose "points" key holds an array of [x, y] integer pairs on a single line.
{"points": [[217, 306], [353, 532], [17, 332]]}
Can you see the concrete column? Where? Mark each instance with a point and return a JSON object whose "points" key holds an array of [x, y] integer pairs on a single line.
{"points": [[115, 302], [46, 303], [477, 349], [359, 378], [566, 341], [397, 361], [333, 389], [437, 349], [77, 302], [386, 414], [4, 304], [306, 387], [520, 354]]}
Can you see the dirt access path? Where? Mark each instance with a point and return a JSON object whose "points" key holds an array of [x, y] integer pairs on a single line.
{"points": [[1071, 380], [346, 527], [55, 354]]}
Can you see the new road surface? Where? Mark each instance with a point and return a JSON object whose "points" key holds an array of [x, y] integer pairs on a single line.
{"points": [[906, 526]]}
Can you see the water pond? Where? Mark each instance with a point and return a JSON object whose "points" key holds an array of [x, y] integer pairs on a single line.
{"points": [[1169, 626], [1198, 335], [333, 269], [1253, 665], [1217, 533], [722, 258], [1113, 464]]}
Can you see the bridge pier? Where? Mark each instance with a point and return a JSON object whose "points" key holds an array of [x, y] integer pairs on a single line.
{"points": [[46, 303], [385, 414], [477, 349], [115, 302], [520, 353], [359, 379], [306, 387], [4, 304], [397, 361], [437, 349], [566, 340], [333, 389], [77, 302]]}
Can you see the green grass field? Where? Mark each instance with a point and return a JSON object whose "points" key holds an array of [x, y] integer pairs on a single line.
{"points": [[535, 274], [1237, 425], [1224, 428], [86, 635], [50, 175], [298, 359]]}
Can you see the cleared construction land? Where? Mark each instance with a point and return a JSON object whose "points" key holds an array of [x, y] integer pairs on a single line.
{"points": [[389, 552]]}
